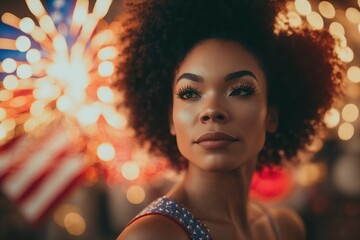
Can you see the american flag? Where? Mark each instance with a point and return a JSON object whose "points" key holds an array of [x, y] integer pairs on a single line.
{"points": [[36, 172], [39, 170]]}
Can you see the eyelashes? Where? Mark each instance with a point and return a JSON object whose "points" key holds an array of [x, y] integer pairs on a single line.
{"points": [[191, 92], [187, 92], [243, 90]]}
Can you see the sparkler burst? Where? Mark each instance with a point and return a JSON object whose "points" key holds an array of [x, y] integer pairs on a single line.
{"points": [[59, 67]]}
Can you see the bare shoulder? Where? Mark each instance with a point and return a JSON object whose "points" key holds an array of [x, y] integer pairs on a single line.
{"points": [[153, 227], [290, 224]]}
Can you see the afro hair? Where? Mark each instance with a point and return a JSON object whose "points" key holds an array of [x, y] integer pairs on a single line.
{"points": [[302, 69]]}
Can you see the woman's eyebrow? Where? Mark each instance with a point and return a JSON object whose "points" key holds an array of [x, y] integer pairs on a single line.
{"points": [[231, 76], [240, 74], [190, 76]]}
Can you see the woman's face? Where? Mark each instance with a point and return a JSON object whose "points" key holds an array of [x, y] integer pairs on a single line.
{"points": [[219, 114]]}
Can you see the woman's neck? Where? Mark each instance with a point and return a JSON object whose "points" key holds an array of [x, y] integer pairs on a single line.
{"points": [[217, 197]]}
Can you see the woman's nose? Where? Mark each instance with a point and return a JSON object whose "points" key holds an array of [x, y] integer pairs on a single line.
{"points": [[214, 114]]}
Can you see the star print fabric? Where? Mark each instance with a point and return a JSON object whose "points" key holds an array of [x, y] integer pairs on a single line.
{"points": [[168, 207]]}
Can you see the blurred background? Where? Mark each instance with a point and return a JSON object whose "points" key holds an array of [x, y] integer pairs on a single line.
{"points": [[69, 167]]}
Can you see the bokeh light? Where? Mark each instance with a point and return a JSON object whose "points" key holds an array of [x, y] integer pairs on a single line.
{"points": [[107, 53], [303, 7], [74, 224], [24, 71], [346, 131], [61, 212], [332, 118], [353, 15], [106, 68], [336, 29], [353, 73], [327, 9], [33, 56], [315, 20], [135, 194], [27, 25], [105, 94], [346, 54], [23, 43], [130, 170], [10, 82], [294, 19], [8, 65], [310, 173], [350, 112], [106, 151]]}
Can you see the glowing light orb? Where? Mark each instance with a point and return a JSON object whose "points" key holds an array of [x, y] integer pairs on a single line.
{"points": [[106, 151], [135, 194], [350, 112], [24, 71], [75, 224], [23, 43], [346, 131], [88, 115], [105, 94], [33, 56], [107, 53], [9, 124], [353, 15], [106, 68], [303, 7], [327, 9], [64, 103], [332, 118], [336, 29], [315, 20], [345, 54], [8, 65], [37, 108], [130, 170], [294, 19], [353, 74], [10, 82], [27, 25]]}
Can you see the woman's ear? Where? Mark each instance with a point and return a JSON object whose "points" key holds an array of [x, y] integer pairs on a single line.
{"points": [[171, 123], [272, 119]]}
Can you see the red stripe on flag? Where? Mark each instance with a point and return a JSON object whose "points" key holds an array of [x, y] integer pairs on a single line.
{"points": [[37, 172], [49, 191]]}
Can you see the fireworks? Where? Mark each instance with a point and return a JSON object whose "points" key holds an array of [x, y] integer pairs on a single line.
{"points": [[59, 68]]}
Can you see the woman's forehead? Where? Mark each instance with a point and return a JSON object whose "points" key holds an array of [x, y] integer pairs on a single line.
{"points": [[219, 58]]}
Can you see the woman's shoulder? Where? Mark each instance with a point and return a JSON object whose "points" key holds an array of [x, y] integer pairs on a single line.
{"points": [[283, 223], [153, 227], [290, 224]]}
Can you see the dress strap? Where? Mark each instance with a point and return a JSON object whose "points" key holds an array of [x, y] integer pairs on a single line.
{"points": [[168, 207], [274, 225]]}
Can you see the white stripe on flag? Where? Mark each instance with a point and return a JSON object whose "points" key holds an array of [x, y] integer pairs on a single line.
{"points": [[14, 154], [50, 188], [35, 164]]}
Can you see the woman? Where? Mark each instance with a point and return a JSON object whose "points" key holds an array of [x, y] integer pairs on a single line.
{"points": [[217, 89]]}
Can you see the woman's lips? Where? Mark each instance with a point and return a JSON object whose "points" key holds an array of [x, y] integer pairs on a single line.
{"points": [[215, 140]]}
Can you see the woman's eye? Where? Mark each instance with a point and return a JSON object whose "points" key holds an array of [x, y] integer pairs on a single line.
{"points": [[243, 91], [188, 93]]}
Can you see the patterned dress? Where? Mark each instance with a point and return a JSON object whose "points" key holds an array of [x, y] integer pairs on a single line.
{"points": [[195, 229]]}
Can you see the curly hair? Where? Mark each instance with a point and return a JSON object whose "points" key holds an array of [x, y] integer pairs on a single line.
{"points": [[302, 70]]}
